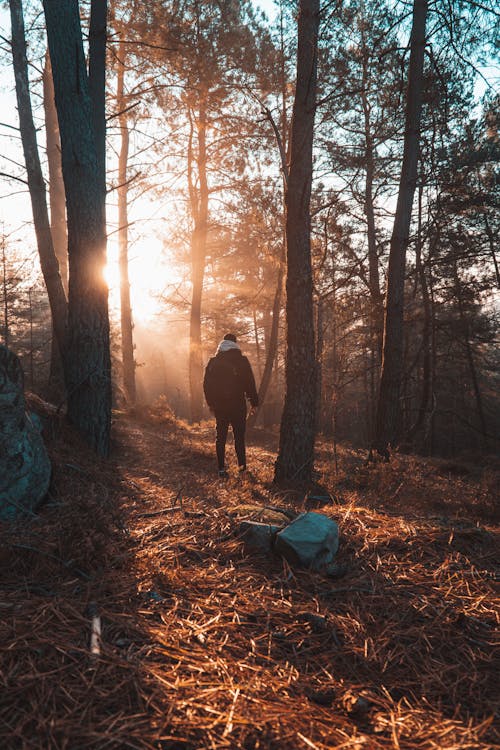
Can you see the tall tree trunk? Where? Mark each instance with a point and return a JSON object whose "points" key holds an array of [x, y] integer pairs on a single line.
{"points": [[199, 210], [127, 343], [388, 407], [58, 227], [296, 449], [36, 183], [89, 366]]}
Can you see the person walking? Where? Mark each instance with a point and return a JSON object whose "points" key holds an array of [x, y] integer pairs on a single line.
{"points": [[228, 382]]}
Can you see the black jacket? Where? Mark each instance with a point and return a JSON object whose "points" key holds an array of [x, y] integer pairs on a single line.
{"points": [[228, 380]]}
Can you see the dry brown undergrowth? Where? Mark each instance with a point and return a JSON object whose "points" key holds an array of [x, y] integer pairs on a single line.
{"points": [[204, 646]]}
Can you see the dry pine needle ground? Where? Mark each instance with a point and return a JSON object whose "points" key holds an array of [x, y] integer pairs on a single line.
{"points": [[205, 646]]}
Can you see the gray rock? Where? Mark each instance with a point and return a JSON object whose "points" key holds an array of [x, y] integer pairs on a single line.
{"points": [[311, 540], [258, 537], [24, 463]]}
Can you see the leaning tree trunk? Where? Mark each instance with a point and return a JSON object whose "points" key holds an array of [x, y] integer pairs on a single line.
{"points": [[36, 183], [127, 342], [199, 210], [296, 449], [388, 406], [89, 367]]}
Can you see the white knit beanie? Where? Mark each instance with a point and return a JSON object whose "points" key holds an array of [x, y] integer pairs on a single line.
{"points": [[225, 345]]}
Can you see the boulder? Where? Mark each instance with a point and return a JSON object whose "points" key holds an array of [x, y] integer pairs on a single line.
{"points": [[311, 540], [24, 463]]}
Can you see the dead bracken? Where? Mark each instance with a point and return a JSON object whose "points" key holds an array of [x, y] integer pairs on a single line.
{"points": [[133, 617]]}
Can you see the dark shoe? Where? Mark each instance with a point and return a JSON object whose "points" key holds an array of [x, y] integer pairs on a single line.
{"points": [[223, 474]]}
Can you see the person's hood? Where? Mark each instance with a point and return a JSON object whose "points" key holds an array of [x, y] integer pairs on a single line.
{"points": [[226, 346]]}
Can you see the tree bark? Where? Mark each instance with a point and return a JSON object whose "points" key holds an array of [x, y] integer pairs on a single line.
{"points": [[97, 87], [426, 330], [127, 343], [297, 432], [36, 183], [89, 367], [57, 196], [377, 313], [320, 347], [199, 211], [388, 407], [57, 199], [5, 298]]}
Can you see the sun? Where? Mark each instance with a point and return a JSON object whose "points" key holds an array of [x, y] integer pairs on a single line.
{"points": [[150, 274]]}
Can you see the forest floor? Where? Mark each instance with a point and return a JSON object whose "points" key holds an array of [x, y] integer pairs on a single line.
{"points": [[205, 645]]}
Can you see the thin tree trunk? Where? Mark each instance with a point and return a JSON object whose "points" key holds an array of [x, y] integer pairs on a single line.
{"points": [[376, 301], [282, 142], [32, 371], [470, 358], [272, 347], [36, 183], [491, 242], [127, 343], [97, 89], [429, 433], [89, 367], [57, 197], [199, 210], [296, 449], [320, 345], [257, 343], [426, 330], [388, 407], [5, 297], [377, 312]]}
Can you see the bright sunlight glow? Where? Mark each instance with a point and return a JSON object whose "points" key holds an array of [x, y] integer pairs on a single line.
{"points": [[150, 274]]}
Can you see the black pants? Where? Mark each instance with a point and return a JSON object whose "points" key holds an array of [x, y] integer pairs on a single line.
{"points": [[237, 418]]}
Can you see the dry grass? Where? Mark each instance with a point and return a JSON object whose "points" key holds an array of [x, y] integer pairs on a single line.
{"points": [[204, 646]]}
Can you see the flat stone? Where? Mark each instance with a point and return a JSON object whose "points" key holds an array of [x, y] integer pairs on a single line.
{"points": [[258, 537], [311, 540], [24, 463]]}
